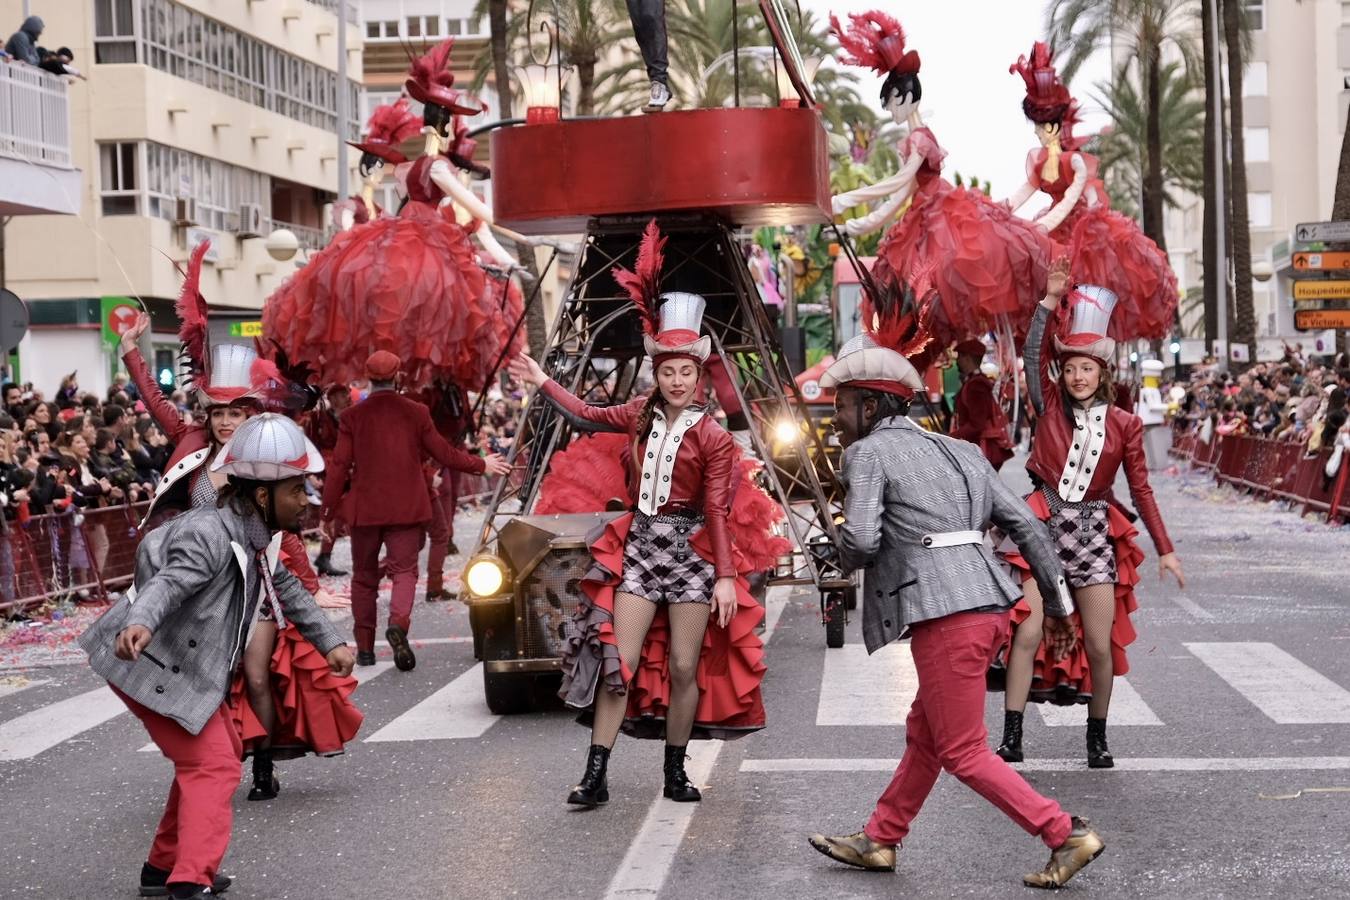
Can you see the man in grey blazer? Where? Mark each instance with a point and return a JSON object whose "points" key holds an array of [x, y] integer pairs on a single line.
{"points": [[170, 647], [916, 507]]}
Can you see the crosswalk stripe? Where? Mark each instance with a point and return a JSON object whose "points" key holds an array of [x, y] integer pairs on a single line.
{"points": [[1123, 764], [1285, 689], [457, 710], [8, 690], [33, 732], [1127, 708], [857, 689]]}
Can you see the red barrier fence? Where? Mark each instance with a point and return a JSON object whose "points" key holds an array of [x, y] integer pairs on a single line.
{"points": [[75, 552], [1271, 469]]}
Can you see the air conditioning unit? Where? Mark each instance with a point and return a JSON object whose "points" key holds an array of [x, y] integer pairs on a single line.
{"points": [[185, 211], [250, 220]]}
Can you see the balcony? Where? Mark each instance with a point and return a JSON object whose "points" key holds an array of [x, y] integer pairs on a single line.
{"points": [[36, 175]]}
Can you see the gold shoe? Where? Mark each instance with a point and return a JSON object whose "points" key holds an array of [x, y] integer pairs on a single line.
{"points": [[856, 850], [1083, 846]]}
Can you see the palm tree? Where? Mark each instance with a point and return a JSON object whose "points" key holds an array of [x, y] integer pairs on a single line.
{"points": [[1144, 28], [1122, 148], [1209, 251], [1236, 43]]}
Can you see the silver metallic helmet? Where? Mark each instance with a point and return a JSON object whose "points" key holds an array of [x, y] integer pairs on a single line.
{"points": [[268, 447]]}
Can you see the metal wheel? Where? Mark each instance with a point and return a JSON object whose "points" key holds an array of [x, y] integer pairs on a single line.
{"points": [[506, 692], [836, 617]]}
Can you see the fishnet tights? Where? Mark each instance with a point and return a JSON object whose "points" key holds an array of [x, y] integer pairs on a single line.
{"points": [[632, 618], [1096, 605]]}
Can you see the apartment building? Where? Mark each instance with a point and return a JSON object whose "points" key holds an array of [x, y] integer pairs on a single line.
{"points": [[200, 119]]}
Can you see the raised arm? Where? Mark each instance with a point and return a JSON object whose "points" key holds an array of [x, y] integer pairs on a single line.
{"points": [[165, 414], [1034, 357]]}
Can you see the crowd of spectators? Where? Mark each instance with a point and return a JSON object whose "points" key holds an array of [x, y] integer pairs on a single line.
{"points": [[1300, 398]]}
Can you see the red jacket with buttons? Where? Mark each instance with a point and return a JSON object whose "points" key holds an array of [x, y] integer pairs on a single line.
{"points": [[377, 465], [980, 420], [703, 468]]}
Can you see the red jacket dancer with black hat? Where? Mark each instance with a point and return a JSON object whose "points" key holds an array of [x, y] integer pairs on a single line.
{"points": [[978, 417], [382, 442]]}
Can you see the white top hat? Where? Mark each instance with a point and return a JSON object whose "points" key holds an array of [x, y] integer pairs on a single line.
{"points": [[860, 359], [230, 378], [1152, 367], [1092, 308], [681, 322], [268, 447]]}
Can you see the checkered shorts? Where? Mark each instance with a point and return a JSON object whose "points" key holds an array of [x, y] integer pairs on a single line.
{"points": [[659, 564], [1082, 534]]}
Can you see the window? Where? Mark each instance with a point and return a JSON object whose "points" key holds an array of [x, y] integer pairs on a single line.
{"points": [[114, 32], [117, 179], [1256, 143], [1255, 81], [1259, 210], [423, 26], [454, 26], [218, 187], [1255, 11], [1345, 12], [382, 30]]}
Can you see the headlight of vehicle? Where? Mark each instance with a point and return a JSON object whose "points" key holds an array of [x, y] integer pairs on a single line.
{"points": [[786, 432], [486, 576]]}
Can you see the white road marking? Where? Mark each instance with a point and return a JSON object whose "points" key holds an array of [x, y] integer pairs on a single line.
{"points": [[1195, 609], [1127, 708], [457, 710], [857, 689], [650, 856], [419, 642], [1286, 690], [775, 601], [33, 732], [7, 690], [1137, 764]]}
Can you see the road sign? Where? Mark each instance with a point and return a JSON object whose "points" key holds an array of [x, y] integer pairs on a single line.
{"points": [[1318, 319], [1305, 261], [1322, 289], [1307, 232], [246, 329], [13, 320], [119, 314]]}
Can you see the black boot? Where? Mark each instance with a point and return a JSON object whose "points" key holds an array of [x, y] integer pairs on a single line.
{"points": [[324, 566], [678, 786], [265, 784], [1098, 756], [155, 882], [594, 787], [1011, 748]]}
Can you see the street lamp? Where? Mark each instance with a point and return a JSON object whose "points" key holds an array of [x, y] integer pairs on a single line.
{"points": [[787, 91], [1262, 270], [543, 93], [282, 244]]}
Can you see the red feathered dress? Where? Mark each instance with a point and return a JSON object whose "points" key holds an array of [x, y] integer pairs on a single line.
{"points": [[731, 665], [410, 284], [985, 262], [1109, 249]]}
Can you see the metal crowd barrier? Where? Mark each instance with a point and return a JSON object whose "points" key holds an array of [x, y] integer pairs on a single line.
{"points": [[80, 553], [1271, 469]]}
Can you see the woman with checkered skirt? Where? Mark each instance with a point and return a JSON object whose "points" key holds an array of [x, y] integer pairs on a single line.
{"points": [[1082, 440], [663, 642]]}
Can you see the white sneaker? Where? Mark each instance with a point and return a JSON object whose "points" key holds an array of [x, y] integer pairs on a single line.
{"points": [[659, 98]]}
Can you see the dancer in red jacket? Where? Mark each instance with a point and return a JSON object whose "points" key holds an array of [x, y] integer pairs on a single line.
{"points": [[1082, 441], [667, 594], [377, 466], [979, 419]]}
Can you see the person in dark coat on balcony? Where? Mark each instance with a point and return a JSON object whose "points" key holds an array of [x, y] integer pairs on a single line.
{"points": [[22, 44]]}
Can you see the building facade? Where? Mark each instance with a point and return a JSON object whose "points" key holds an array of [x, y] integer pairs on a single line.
{"points": [[200, 119]]}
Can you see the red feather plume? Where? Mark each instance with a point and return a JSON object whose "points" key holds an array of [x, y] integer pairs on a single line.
{"points": [[432, 67], [875, 41], [643, 284], [191, 309], [393, 123], [903, 318]]}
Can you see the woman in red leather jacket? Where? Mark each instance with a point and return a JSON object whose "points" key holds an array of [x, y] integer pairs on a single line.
{"points": [[642, 641], [1082, 441], [229, 398]]}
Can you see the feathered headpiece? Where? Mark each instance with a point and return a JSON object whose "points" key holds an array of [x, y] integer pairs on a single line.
{"points": [[897, 343], [1047, 100], [643, 284], [876, 41], [431, 81], [192, 312], [389, 126], [283, 387]]}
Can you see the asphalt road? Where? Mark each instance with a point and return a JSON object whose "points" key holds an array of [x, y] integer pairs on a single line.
{"points": [[1234, 783]]}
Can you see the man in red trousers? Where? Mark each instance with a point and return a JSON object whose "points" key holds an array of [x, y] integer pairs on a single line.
{"points": [[382, 443], [979, 419]]}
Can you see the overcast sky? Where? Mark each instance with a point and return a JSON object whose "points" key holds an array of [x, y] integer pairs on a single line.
{"points": [[970, 101]]}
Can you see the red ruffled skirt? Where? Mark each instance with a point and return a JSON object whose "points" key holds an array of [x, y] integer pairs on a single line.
{"points": [[985, 262], [1110, 249], [730, 667], [410, 284], [1068, 681], [314, 709]]}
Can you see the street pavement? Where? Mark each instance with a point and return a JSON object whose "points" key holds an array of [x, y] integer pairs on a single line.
{"points": [[1231, 731]]}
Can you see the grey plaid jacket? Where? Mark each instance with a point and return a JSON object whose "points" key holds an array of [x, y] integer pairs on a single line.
{"points": [[191, 577], [903, 483]]}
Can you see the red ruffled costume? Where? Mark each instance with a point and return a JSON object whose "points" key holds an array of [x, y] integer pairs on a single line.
{"points": [[986, 263]]}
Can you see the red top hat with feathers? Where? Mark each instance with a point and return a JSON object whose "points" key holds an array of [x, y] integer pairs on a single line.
{"points": [[897, 343], [670, 321], [431, 81], [1048, 100], [389, 126], [876, 41], [224, 374]]}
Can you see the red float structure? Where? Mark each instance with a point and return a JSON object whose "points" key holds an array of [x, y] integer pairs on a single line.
{"points": [[701, 174]]}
